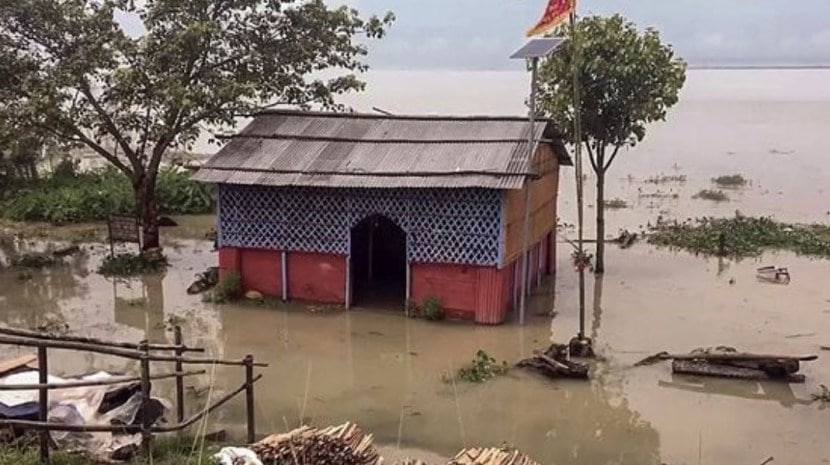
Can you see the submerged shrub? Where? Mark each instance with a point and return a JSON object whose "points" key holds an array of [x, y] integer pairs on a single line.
{"points": [[227, 290], [433, 309], [127, 264]]}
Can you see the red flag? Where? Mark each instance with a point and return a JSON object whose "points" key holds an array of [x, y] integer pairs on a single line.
{"points": [[556, 12]]}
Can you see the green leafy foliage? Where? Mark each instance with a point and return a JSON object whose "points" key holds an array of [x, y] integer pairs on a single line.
{"points": [[433, 309], [177, 194], [227, 290], [741, 236], [69, 67], [482, 368], [130, 265], [628, 79], [93, 196]]}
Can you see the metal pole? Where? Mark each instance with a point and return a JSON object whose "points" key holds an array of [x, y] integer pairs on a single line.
{"points": [[249, 397], [579, 181], [43, 400], [284, 275], [177, 339], [531, 153]]}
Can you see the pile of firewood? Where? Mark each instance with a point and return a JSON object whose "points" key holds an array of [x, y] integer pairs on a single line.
{"points": [[555, 362], [491, 456], [342, 445]]}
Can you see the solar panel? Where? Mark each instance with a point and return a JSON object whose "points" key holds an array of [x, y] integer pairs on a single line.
{"points": [[538, 48]]}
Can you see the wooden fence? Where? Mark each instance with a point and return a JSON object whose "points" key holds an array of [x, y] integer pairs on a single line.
{"points": [[145, 353]]}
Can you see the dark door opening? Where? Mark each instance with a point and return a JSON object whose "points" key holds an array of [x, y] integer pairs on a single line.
{"points": [[378, 256]]}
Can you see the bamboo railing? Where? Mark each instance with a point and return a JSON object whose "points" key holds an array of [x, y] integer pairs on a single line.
{"points": [[143, 352]]}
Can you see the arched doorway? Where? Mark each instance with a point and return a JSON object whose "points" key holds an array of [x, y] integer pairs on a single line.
{"points": [[378, 263]]}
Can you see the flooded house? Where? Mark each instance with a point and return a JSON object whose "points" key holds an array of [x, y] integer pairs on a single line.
{"points": [[387, 211]]}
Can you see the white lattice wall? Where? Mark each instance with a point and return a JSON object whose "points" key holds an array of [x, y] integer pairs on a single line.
{"points": [[441, 225]]}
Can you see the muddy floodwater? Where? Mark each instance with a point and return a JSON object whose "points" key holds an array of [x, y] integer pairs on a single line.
{"points": [[385, 372]]}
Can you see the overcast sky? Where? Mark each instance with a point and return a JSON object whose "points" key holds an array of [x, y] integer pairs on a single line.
{"points": [[480, 34]]}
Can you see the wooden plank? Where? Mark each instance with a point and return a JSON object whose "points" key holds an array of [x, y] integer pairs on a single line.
{"points": [[702, 368], [24, 361]]}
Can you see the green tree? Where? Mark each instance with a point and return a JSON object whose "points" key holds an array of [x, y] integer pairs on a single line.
{"points": [[198, 65], [628, 79]]}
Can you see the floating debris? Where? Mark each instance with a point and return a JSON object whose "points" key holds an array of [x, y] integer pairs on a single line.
{"points": [[823, 396], [626, 239], [773, 274], [555, 363]]}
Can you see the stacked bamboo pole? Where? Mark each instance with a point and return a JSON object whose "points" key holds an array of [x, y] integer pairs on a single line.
{"points": [[491, 456], [342, 445]]}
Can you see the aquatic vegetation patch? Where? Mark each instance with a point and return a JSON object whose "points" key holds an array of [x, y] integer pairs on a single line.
{"points": [[666, 178], [482, 368], [715, 195], [615, 204], [741, 236], [730, 180]]}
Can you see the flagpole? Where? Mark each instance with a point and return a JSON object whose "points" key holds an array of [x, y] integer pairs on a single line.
{"points": [[578, 168]]}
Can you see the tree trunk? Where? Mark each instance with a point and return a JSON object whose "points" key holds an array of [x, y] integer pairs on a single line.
{"points": [[148, 212], [600, 260]]}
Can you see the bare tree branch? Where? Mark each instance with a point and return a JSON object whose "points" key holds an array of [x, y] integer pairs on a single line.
{"points": [[110, 125], [611, 160], [591, 156]]}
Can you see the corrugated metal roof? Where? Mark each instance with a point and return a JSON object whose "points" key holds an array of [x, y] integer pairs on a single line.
{"points": [[292, 148]]}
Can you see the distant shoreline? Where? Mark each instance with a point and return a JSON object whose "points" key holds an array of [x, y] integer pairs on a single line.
{"points": [[691, 67], [757, 67]]}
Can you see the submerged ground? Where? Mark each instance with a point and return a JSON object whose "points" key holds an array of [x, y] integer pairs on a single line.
{"points": [[384, 371]]}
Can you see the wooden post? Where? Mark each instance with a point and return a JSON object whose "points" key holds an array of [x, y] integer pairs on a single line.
{"points": [[249, 397], [43, 400], [177, 339], [146, 435]]}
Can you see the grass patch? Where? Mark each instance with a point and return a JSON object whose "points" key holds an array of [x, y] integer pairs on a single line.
{"points": [[666, 179], [730, 181], [741, 236], [94, 195], [714, 195], [127, 264], [615, 204], [482, 368]]}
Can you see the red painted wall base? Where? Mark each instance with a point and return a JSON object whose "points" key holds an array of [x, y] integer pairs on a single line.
{"points": [[476, 293]]}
